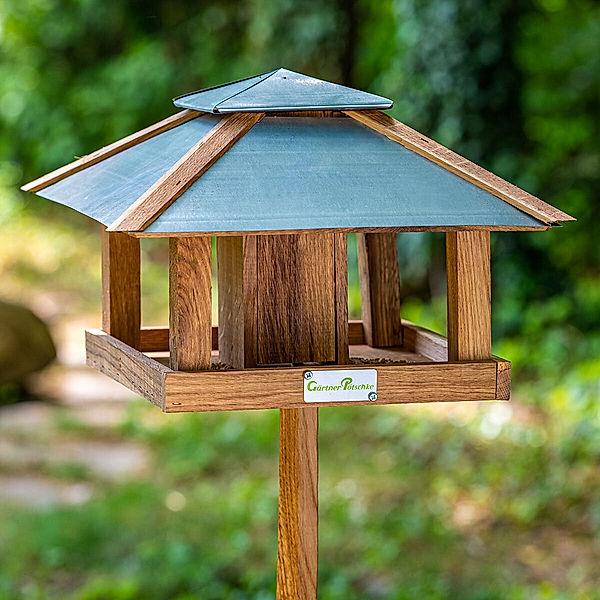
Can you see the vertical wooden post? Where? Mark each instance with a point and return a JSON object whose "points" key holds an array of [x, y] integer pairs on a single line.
{"points": [[379, 288], [121, 293], [237, 273], [190, 303], [469, 291], [297, 541], [342, 355]]}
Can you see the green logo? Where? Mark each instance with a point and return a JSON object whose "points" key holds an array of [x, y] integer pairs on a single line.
{"points": [[345, 384]]}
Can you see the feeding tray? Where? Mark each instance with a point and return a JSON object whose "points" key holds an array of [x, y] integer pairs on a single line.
{"points": [[280, 167]]}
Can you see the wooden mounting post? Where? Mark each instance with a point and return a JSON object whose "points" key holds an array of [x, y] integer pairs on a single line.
{"points": [[190, 303], [121, 293], [469, 292], [379, 288]]}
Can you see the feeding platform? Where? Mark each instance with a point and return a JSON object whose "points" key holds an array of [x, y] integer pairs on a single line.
{"points": [[280, 167]]}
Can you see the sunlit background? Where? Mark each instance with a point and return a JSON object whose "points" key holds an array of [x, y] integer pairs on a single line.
{"points": [[103, 497]]}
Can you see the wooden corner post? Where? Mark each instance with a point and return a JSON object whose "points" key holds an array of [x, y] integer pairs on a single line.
{"points": [[283, 299], [190, 303], [121, 291], [469, 295], [379, 288]]}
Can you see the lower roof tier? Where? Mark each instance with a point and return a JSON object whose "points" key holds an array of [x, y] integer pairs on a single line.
{"points": [[288, 173]]}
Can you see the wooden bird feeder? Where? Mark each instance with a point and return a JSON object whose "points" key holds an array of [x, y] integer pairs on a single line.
{"points": [[279, 168]]}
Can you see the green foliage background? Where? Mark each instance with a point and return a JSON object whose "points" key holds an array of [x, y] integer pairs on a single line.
{"points": [[513, 85]]}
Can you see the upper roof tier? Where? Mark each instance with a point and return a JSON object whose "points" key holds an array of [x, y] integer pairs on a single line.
{"points": [[279, 90], [271, 166]]}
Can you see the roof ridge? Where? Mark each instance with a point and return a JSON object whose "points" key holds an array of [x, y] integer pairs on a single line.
{"points": [[221, 85], [247, 88]]}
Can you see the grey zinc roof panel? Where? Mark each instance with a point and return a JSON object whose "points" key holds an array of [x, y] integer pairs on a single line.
{"points": [[280, 90], [104, 190], [309, 173]]}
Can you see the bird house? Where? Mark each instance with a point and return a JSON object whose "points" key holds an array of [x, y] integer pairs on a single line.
{"points": [[280, 168]]}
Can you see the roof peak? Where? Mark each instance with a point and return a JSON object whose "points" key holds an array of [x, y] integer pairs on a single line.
{"points": [[280, 90]]}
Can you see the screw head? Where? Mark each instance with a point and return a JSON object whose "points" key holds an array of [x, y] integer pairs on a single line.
{"points": [[373, 396], [308, 375]]}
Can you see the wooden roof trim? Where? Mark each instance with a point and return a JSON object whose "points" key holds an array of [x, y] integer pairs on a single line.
{"points": [[111, 150], [185, 172], [442, 156]]}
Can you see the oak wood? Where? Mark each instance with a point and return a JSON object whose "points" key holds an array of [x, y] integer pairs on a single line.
{"points": [[185, 172], [440, 228], [121, 293], [503, 380], [296, 299], [282, 387], [111, 150], [416, 339], [342, 355], [298, 502], [415, 141], [128, 366], [190, 303], [379, 288], [238, 311], [469, 291]]}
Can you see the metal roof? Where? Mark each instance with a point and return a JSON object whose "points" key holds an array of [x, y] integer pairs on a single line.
{"points": [[288, 173], [280, 90]]}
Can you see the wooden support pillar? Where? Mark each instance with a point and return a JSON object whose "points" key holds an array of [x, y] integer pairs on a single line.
{"points": [[121, 293], [379, 288], [190, 303], [469, 295]]}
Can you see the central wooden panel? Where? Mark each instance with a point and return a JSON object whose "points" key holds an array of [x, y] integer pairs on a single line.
{"points": [[296, 298]]}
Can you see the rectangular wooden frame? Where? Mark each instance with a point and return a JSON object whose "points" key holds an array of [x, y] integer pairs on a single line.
{"points": [[432, 380]]}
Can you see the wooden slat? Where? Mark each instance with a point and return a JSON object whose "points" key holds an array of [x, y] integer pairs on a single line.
{"points": [[128, 366], [440, 228], [237, 272], [185, 171], [342, 355], [121, 293], [111, 150], [298, 505], [469, 291], [502, 379], [190, 303], [296, 299], [413, 140], [416, 339], [267, 388], [379, 288]]}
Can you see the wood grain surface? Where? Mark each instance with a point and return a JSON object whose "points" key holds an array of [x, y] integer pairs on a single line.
{"points": [[415, 141], [121, 291], [238, 311], [379, 288], [128, 366], [297, 538], [342, 351], [296, 299], [111, 150], [185, 171], [469, 295], [190, 303], [282, 387]]}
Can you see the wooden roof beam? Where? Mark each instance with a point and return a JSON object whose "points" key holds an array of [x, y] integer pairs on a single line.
{"points": [[442, 156], [110, 150], [192, 165]]}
